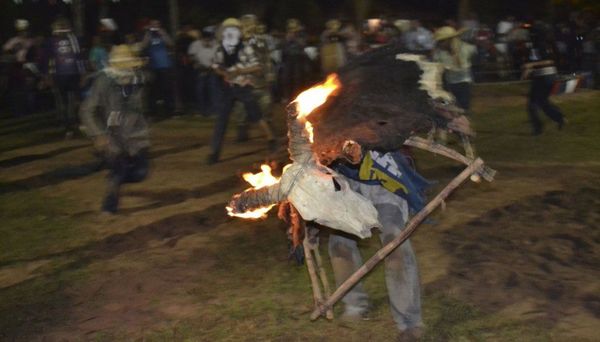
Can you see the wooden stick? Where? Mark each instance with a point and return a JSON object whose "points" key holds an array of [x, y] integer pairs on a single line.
{"points": [[485, 172], [310, 265], [324, 280], [387, 249]]}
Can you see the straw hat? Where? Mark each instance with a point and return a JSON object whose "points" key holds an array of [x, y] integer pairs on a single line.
{"points": [[293, 25], [231, 22], [21, 24], [446, 32], [333, 25], [123, 57]]}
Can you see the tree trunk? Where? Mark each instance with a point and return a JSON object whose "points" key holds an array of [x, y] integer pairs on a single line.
{"points": [[463, 10], [174, 17], [78, 17]]}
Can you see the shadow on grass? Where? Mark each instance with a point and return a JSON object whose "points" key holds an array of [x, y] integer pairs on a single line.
{"points": [[35, 157], [74, 172]]}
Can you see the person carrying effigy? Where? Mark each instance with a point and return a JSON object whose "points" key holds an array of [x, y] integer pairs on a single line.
{"points": [[113, 117], [348, 174]]}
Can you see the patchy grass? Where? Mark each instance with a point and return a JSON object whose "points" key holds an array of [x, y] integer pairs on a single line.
{"points": [[235, 275]]}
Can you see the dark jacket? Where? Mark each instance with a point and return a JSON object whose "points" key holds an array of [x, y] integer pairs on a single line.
{"points": [[117, 111]]}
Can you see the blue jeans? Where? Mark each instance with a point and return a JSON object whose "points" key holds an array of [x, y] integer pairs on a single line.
{"points": [[206, 93]]}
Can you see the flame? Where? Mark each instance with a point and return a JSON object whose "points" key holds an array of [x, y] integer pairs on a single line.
{"points": [[257, 180], [314, 97]]}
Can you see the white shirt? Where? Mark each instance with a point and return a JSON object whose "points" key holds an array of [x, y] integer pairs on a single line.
{"points": [[204, 54]]}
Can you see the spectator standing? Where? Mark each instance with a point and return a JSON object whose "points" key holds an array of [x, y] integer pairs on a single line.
{"points": [[64, 67], [98, 56], [157, 43], [185, 75], [455, 56], [202, 53], [418, 39], [20, 89]]}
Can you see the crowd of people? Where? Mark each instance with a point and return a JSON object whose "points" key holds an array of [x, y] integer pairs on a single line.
{"points": [[183, 79]]}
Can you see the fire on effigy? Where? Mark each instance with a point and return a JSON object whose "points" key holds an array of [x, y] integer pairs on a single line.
{"points": [[381, 101]]}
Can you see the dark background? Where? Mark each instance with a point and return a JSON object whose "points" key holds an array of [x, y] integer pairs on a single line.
{"points": [[313, 13]]}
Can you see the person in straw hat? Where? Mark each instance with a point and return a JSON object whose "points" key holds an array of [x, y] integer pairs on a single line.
{"points": [[455, 55], [113, 117]]}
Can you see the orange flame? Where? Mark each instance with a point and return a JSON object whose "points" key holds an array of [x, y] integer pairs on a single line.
{"points": [[257, 180], [314, 97]]}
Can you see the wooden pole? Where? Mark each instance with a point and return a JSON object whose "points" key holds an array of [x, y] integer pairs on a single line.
{"points": [[485, 172], [78, 17], [392, 245], [313, 263], [174, 17]]}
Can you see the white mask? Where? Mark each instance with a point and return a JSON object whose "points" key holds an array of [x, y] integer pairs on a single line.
{"points": [[231, 37]]}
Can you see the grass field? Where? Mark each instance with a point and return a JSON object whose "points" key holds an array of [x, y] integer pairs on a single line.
{"points": [[513, 260]]}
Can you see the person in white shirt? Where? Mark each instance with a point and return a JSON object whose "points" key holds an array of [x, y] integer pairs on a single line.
{"points": [[418, 38], [202, 52]]}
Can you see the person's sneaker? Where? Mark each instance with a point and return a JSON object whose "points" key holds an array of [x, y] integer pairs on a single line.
{"points": [[410, 335], [212, 159]]}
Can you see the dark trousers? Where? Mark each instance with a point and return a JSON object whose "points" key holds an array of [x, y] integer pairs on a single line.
{"points": [[124, 169], [229, 95], [462, 93], [206, 93], [66, 94], [164, 87], [539, 94]]}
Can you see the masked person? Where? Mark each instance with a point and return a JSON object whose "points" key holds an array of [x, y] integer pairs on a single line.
{"points": [[455, 56], [113, 118], [238, 65], [333, 54], [395, 188], [295, 64], [64, 66]]}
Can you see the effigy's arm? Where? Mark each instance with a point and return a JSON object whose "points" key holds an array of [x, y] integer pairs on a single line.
{"points": [[486, 172], [252, 199]]}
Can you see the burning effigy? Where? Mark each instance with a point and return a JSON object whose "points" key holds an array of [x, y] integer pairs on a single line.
{"points": [[381, 101]]}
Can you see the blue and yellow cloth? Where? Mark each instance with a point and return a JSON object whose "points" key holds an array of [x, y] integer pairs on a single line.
{"points": [[391, 170]]}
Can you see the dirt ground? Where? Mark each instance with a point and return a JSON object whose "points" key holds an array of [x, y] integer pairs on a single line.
{"points": [[513, 260]]}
